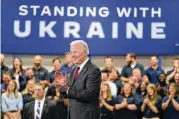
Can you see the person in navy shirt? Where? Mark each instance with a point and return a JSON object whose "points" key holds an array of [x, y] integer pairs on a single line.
{"points": [[154, 71], [6, 79], [151, 106], [127, 105], [69, 65], [142, 93], [171, 73], [131, 64], [41, 73], [4, 68], [57, 67], [170, 103], [106, 102]]}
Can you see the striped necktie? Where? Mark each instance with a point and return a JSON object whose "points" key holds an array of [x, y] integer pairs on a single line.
{"points": [[38, 111]]}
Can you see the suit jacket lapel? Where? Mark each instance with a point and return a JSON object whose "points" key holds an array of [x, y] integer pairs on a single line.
{"points": [[82, 72], [44, 108], [32, 109]]}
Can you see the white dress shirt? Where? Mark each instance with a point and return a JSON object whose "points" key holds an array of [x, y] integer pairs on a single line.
{"points": [[41, 106], [82, 65]]}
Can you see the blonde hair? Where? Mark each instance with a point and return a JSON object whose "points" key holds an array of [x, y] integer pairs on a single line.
{"points": [[175, 87], [154, 99], [131, 87], [14, 91], [109, 94]]}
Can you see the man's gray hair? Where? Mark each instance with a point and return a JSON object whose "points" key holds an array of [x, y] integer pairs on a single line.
{"points": [[84, 45]]}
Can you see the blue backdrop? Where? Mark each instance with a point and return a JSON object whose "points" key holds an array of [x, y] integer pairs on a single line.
{"points": [[48, 27]]}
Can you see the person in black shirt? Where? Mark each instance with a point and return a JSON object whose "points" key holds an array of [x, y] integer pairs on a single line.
{"points": [[161, 85], [106, 102], [53, 94], [127, 105]]}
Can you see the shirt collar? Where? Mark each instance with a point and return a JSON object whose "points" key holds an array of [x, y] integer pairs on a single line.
{"points": [[42, 101], [83, 64]]}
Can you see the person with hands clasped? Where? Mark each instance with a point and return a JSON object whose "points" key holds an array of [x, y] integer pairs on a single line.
{"points": [[152, 104], [127, 104], [106, 102], [170, 103], [18, 74]]}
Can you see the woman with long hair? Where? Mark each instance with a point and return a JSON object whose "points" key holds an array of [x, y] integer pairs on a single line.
{"points": [[170, 103], [28, 92], [152, 104], [12, 103], [106, 102], [18, 74], [127, 104], [142, 93]]}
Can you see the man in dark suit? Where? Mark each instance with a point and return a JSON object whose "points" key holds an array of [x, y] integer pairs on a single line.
{"points": [[41, 108], [83, 84]]}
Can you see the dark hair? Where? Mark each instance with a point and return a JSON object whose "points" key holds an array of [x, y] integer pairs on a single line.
{"points": [[132, 55], [154, 56], [175, 86], [108, 57], [105, 72], [138, 89], [57, 58], [13, 69], [132, 88]]}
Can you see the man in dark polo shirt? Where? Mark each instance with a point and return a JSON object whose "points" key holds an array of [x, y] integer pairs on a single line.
{"points": [[154, 71], [108, 62], [4, 68], [132, 63], [171, 73], [40, 72]]}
